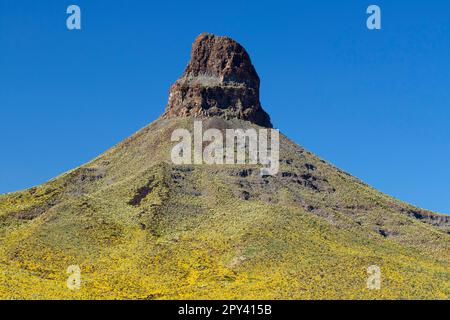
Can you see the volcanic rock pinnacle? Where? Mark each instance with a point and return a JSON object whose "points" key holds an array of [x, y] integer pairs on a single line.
{"points": [[219, 80]]}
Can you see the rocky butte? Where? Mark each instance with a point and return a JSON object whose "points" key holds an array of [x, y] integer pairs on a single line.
{"points": [[220, 80]]}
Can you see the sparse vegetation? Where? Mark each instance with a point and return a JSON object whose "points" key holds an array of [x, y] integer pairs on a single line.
{"points": [[142, 228]]}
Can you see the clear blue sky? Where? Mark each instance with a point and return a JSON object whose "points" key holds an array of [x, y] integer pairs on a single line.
{"points": [[375, 103]]}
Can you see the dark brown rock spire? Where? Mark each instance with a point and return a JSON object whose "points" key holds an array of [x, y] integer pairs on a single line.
{"points": [[220, 80]]}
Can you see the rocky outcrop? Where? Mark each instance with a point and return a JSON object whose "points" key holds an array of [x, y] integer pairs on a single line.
{"points": [[219, 80]]}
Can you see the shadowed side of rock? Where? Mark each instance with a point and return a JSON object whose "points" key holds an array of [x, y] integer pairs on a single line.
{"points": [[219, 80]]}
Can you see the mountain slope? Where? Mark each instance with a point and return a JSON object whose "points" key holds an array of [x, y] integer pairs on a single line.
{"points": [[140, 227]]}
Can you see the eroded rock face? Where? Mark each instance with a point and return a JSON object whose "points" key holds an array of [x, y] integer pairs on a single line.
{"points": [[220, 80]]}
